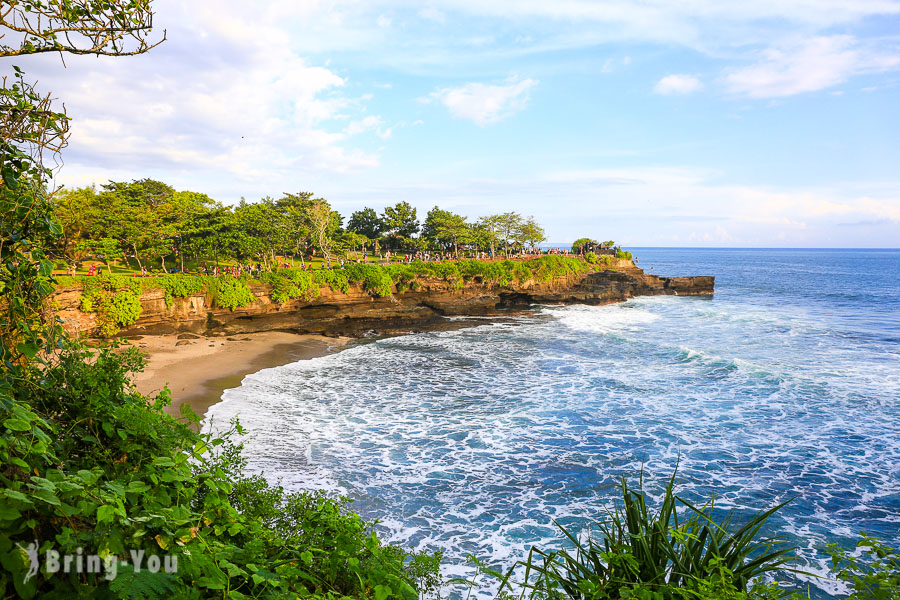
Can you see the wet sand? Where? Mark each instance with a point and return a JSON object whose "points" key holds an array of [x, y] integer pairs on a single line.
{"points": [[198, 370]]}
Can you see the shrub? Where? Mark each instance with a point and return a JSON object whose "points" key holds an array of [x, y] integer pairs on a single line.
{"points": [[872, 574], [232, 292], [291, 283], [89, 466], [624, 255], [655, 554], [120, 309], [115, 299], [336, 279], [179, 286], [374, 279]]}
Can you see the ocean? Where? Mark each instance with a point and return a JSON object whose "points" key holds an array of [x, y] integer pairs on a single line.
{"points": [[785, 384]]}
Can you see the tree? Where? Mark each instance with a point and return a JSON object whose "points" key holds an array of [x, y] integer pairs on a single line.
{"points": [[354, 240], [296, 221], [73, 210], [446, 228], [323, 226], [366, 222], [400, 220], [508, 225], [530, 233], [99, 27], [29, 126], [259, 230], [481, 237], [579, 244], [490, 228], [212, 233]]}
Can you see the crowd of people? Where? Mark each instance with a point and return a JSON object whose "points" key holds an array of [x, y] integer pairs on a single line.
{"points": [[385, 257]]}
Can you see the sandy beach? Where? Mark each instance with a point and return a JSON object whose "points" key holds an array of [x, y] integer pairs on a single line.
{"points": [[198, 369]]}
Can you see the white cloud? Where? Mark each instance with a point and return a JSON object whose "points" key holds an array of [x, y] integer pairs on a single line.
{"points": [[383, 21], [655, 205], [711, 26], [806, 66], [677, 84], [483, 103], [225, 98], [431, 13]]}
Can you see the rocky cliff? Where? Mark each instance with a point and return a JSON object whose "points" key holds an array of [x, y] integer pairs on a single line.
{"points": [[358, 312]]}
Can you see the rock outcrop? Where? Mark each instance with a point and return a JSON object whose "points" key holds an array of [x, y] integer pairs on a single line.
{"points": [[358, 312]]}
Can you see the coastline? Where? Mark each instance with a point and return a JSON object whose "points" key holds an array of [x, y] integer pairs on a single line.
{"points": [[198, 369]]}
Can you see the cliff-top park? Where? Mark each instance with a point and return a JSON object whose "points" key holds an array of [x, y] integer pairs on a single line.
{"points": [[448, 300]]}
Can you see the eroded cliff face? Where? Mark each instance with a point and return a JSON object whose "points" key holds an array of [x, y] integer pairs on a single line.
{"points": [[358, 312]]}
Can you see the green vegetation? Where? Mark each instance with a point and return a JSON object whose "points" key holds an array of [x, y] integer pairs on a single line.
{"points": [[148, 225], [88, 466], [873, 573], [579, 244], [232, 292], [667, 554], [603, 259], [292, 283], [116, 298], [179, 286]]}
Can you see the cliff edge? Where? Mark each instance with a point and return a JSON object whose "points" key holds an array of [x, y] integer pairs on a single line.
{"points": [[358, 312]]}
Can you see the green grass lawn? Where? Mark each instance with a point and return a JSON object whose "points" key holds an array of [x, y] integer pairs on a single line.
{"points": [[192, 266]]}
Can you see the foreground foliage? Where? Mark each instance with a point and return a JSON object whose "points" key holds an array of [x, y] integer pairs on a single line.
{"points": [[90, 464], [667, 554]]}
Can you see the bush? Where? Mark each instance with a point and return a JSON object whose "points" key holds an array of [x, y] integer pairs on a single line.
{"points": [[374, 279], [232, 292], [89, 466], [335, 279], [664, 555], [119, 310], [292, 283], [115, 299], [872, 574], [179, 286], [624, 255]]}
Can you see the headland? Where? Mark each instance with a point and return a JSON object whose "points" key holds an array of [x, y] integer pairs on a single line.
{"points": [[201, 348]]}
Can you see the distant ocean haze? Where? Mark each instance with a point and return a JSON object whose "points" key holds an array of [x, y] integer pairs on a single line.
{"points": [[784, 384]]}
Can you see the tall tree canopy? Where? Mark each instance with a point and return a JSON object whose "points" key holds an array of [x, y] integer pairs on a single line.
{"points": [[366, 222], [401, 220]]}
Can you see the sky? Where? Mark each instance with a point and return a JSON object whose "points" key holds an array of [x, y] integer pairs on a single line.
{"points": [[768, 123]]}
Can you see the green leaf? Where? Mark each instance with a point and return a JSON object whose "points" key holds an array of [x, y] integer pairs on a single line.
{"points": [[382, 592], [47, 496], [17, 425], [138, 487], [106, 513], [29, 349], [9, 513], [9, 178]]}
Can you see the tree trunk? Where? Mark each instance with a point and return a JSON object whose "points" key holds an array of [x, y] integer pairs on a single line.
{"points": [[136, 257]]}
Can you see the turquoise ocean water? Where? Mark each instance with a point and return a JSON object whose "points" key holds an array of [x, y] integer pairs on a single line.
{"points": [[785, 384]]}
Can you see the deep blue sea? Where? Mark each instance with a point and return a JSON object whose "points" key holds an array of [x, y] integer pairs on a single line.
{"points": [[785, 384]]}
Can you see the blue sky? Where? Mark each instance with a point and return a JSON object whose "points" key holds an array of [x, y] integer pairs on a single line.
{"points": [[661, 122]]}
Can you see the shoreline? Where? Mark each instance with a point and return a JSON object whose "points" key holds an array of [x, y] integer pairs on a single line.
{"points": [[199, 369]]}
